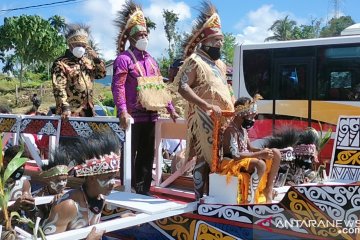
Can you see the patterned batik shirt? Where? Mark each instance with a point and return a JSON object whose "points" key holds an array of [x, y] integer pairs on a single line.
{"points": [[72, 80]]}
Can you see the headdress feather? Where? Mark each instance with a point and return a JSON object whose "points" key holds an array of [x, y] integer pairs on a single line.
{"points": [[75, 33], [249, 107], [207, 25], [129, 18]]}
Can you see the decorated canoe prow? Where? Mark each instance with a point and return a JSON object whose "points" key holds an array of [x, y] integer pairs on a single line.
{"points": [[314, 211]]}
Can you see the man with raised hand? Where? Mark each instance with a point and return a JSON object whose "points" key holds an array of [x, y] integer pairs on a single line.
{"points": [[73, 74]]}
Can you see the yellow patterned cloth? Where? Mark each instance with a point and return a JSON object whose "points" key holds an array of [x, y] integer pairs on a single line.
{"points": [[210, 85], [230, 167]]}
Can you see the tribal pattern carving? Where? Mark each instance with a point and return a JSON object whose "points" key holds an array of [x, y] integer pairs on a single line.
{"points": [[337, 202], [48, 129], [345, 162], [348, 157], [24, 123], [348, 132], [39, 126], [305, 211], [179, 227], [206, 231], [74, 128], [251, 214], [8, 124]]}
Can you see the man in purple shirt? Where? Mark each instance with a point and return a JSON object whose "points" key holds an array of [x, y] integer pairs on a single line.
{"points": [[129, 65]]}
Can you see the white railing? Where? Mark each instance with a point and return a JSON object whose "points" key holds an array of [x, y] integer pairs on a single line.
{"points": [[15, 127]]}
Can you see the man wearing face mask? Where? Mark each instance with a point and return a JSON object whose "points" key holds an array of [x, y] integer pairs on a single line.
{"points": [[97, 161], [131, 67], [55, 174], [201, 80], [241, 157], [73, 74]]}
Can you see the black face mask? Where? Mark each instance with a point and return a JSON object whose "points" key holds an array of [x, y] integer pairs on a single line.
{"points": [[17, 174], [213, 52], [95, 205], [247, 123]]}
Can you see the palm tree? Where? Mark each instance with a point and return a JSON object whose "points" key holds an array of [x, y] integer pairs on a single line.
{"points": [[2, 57], [58, 23], [171, 19], [9, 64], [282, 29], [94, 46], [150, 24]]}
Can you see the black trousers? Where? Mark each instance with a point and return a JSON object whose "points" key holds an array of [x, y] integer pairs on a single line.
{"points": [[142, 155]]}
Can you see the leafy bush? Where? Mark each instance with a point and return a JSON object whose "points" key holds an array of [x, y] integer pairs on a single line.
{"points": [[108, 99], [30, 76]]}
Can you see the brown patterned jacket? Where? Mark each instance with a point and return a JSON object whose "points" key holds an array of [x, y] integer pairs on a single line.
{"points": [[73, 80]]}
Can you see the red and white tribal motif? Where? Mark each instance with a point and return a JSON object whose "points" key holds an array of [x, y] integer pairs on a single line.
{"points": [[97, 166]]}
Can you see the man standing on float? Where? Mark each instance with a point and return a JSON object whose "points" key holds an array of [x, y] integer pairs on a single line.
{"points": [[202, 82], [131, 66]]}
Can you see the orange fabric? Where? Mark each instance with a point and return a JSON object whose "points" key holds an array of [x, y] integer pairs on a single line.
{"points": [[230, 167], [259, 197]]}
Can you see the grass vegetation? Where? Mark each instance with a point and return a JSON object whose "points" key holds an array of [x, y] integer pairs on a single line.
{"points": [[23, 102]]}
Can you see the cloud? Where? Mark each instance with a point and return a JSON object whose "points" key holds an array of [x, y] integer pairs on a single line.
{"points": [[102, 13], [157, 40], [254, 27]]}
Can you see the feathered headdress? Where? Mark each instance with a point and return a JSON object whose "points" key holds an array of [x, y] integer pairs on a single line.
{"points": [[77, 33], [57, 165], [130, 20], [207, 25], [248, 108]]}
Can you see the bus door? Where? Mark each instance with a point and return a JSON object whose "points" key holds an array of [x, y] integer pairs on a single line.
{"points": [[292, 89]]}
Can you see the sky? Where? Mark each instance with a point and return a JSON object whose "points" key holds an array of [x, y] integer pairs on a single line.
{"points": [[248, 20]]}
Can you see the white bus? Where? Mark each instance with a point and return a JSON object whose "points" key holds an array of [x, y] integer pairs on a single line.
{"points": [[303, 82]]}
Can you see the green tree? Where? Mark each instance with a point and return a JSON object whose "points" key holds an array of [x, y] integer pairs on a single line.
{"points": [[282, 29], [58, 23], [164, 64], [9, 64], [307, 31], [336, 25], [171, 19], [2, 56], [32, 39], [150, 24], [227, 51]]}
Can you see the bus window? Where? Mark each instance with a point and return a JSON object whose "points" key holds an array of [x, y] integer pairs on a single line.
{"points": [[338, 73], [292, 82], [257, 73]]}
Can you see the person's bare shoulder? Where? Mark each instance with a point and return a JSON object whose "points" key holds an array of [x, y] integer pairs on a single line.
{"points": [[68, 203]]}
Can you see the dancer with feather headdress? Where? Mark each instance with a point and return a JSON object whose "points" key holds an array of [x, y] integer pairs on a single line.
{"points": [[202, 82]]}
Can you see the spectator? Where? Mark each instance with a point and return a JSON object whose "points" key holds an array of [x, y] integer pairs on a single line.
{"points": [[36, 101], [5, 109]]}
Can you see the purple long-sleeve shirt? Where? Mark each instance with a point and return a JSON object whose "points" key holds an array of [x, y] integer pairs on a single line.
{"points": [[124, 84]]}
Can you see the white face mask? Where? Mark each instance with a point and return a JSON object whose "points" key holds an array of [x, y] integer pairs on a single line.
{"points": [[78, 52], [141, 44]]}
